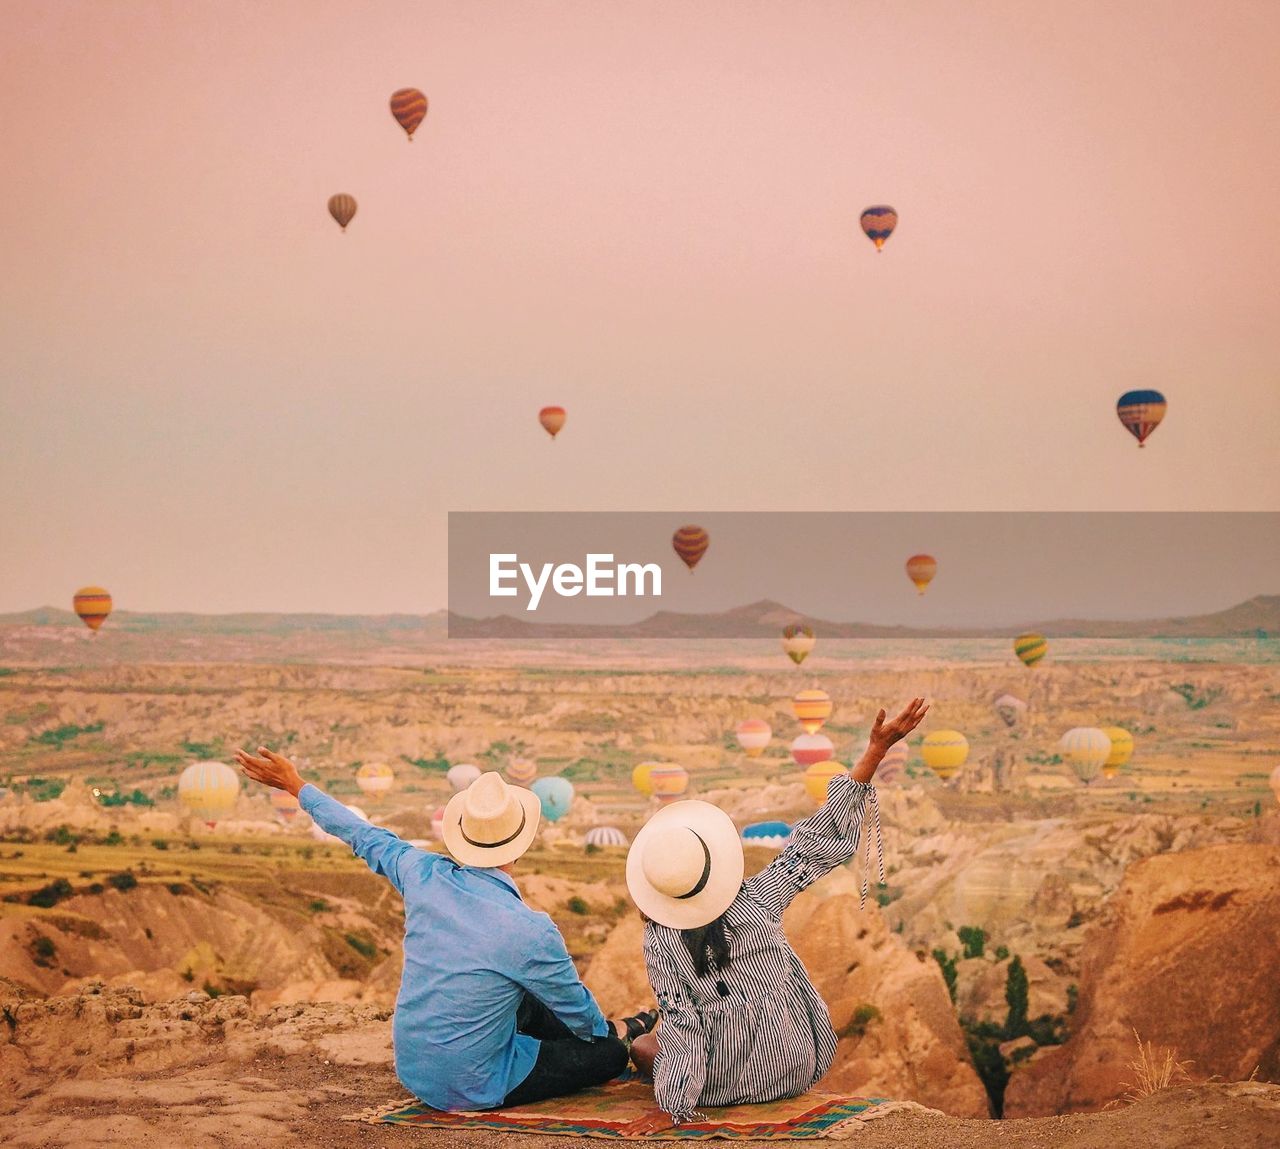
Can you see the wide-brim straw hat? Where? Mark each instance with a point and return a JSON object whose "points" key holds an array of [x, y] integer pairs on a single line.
{"points": [[490, 823], [685, 866]]}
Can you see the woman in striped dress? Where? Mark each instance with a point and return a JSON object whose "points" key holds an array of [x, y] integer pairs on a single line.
{"points": [[741, 1021]]}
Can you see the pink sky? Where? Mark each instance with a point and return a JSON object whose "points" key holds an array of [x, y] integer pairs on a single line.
{"points": [[212, 400]]}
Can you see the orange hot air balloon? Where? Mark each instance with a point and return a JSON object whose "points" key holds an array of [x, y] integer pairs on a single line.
{"points": [[343, 209], [753, 736], [813, 708], [691, 544], [921, 569], [92, 604], [409, 106], [552, 419], [668, 782]]}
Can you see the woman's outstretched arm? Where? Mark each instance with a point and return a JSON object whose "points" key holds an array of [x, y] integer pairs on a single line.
{"points": [[830, 837]]}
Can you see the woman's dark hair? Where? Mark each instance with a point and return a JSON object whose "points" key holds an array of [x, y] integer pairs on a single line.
{"points": [[708, 946]]}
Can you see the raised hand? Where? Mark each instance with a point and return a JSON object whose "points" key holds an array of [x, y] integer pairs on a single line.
{"points": [[271, 769], [885, 734]]}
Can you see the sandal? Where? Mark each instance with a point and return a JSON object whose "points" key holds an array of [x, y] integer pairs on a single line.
{"points": [[641, 1024]]}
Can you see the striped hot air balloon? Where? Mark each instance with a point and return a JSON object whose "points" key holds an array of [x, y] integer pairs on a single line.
{"points": [[797, 641], [944, 752], [92, 604], [812, 708], [818, 777], [807, 749], [521, 771], [1085, 749], [1141, 413], [772, 835], [690, 544], [669, 783], [375, 778], [552, 419], [1030, 648], [920, 570], [753, 736], [343, 208], [1121, 750], [602, 837], [208, 790], [323, 836], [409, 106], [878, 224]]}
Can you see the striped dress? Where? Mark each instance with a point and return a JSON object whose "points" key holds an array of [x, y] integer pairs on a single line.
{"points": [[756, 1031]]}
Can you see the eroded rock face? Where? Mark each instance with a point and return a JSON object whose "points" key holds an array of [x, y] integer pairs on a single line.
{"points": [[1185, 954]]}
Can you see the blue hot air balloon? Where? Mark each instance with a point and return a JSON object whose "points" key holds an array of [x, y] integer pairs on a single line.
{"points": [[1141, 412], [771, 834], [556, 796]]}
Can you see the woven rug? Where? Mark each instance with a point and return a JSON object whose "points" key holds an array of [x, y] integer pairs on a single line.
{"points": [[607, 1110]]}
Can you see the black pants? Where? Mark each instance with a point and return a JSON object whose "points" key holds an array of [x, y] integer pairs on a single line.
{"points": [[565, 1063]]}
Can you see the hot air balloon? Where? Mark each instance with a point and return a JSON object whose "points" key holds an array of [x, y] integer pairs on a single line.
{"points": [[521, 771], [891, 765], [944, 752], [552, 419], [343, 209], [92, 604], [1121, 750], [323, 836], [813, 708], [1009, 709], [878, 224], [284, 806], [375, 778], [1275, 782], [208, 790], [556, 796], [605, 836], [669, 782], [409, 106], [920, 570], [1030, 647], [810, 748], [640, 777], [1086, 749], [818, 777], [753, 736], [797, 641], [772, 835], [462, 775], [1141, 413], [690, 543]]}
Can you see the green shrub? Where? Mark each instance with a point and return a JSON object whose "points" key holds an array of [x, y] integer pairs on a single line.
{"points": [[63, 734], [48, 896], [1015, 994], [973, 939], [948, 967], [863, 1016], [1002, 952], [43, 951], [578, 905], [123, 881], [363, 944]]}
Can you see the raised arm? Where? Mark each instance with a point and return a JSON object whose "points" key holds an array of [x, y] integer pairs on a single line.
{"points": [[830, 837], [382, 850]]}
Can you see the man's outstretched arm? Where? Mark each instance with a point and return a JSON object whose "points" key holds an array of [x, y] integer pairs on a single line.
{"points": [[382, 850]]}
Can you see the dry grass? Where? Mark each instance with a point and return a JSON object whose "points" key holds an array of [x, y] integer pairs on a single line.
{"points": [[1153, 1071]]}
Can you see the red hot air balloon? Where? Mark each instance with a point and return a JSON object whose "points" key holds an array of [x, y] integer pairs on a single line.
{"points": [[552, 419], [690, 544], [409, 106]]}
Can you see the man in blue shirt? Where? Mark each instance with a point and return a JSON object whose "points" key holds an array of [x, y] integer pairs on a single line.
{"points": [[491, 1011]]}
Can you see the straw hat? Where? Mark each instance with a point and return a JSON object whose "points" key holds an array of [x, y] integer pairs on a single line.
{"points": [[490, 823], [685, 866]]}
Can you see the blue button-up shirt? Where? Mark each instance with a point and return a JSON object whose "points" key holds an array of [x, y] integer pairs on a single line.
{"points": [[472, 949]]}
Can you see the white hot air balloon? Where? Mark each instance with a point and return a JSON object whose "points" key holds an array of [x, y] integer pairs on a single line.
{"points": [[1086, 750], [208, 790], [462, 775], [602, 836]]}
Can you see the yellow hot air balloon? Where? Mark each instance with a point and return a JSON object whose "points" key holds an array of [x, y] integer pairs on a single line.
{"points": [[797, 641], [668, 782], [1121, 750], [753, 736], [813, 708], [375, 778], [92, 604], [552, 419], [818, 777], [640, 777], [1030, 647], [920, 570], [208, 790], [1085, 749], [409, 106], [944, 752], [343, 209]]}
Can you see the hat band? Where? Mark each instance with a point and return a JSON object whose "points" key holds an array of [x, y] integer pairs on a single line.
{"points": [[509, 838], [706, 869]]}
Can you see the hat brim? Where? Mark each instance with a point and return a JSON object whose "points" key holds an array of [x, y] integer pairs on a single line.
{"points": [[487, 857], [719, 833]]}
